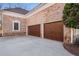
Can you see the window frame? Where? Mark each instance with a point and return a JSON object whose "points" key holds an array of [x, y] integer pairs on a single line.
{"points": [[18, 25]]}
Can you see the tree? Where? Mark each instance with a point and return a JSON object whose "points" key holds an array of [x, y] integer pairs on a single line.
{"points": [[71, 16]]}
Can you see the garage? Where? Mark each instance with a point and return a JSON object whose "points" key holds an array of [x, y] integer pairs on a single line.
{"points": [[34, 30], [54, 31]]}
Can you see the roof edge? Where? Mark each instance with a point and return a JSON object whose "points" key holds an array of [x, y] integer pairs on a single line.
{"points": [[40, 7], [13, 14]]}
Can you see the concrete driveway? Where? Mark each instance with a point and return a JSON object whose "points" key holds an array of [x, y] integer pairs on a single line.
{"points": [[31, 46]]}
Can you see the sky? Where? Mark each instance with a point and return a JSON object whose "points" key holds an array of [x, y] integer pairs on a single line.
{"points": [[27, 6]]}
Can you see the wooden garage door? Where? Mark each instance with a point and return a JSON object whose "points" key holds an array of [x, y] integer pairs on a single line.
{"points": [[34, 30], [54, 31]]}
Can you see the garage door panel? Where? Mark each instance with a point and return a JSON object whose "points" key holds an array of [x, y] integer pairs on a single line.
{"points": [[54, 31], [34, 30]]}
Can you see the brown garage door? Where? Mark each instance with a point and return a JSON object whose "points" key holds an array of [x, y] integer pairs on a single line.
{"points": [[34, 30], [54, 31]]}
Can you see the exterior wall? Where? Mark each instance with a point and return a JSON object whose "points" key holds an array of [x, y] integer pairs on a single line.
{"points": [[76, 32], [50, 14], [70, 35], [76, 35], [35, 19], [54, 13], [67, 35], [0, 23], [7, 26]]}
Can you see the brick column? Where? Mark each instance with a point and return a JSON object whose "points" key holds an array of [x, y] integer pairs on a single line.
{"points": [[42, 26], [26, 29], [42, 30]]}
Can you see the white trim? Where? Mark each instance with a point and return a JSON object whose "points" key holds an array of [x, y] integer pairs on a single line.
{"points": [[18, 25], [9, 13]]}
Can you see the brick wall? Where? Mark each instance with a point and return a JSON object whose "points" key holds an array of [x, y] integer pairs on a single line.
{"points": [[50, 14], [7, 25]]}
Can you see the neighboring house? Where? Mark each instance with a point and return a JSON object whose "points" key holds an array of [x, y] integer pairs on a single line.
{"points": [[43, 21], [13, 22]]}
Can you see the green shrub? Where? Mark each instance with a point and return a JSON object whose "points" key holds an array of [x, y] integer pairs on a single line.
{"points": [[71, 15]]}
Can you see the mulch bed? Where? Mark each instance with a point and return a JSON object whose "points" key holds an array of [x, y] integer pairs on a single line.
{"points": [[74, 49]]}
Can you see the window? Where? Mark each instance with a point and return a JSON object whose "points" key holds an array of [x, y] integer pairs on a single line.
{"points": [[16, 25]]}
